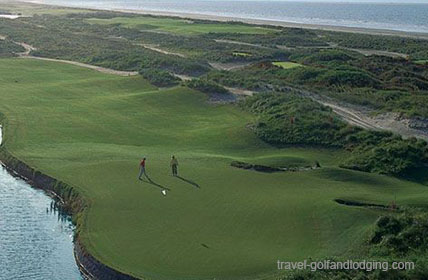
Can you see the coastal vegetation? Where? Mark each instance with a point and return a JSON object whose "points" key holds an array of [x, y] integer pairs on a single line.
{"points": [[180, 26], [395, 236], [207, 86], [333, 67], [160, 78], [8, 48], [290, 119], [414, 48]]}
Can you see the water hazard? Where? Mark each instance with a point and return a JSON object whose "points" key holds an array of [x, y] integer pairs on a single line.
{"points": [[36, 239]]}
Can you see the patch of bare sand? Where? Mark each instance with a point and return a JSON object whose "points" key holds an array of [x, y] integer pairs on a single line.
{"points": [[366, 118], [159, 50], [229, 66], [378, 52], [183, 77], [240, 91], [239, 43]]}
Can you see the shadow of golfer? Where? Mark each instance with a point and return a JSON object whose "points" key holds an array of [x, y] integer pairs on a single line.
{"points": [[188, 181], [150, 181]]}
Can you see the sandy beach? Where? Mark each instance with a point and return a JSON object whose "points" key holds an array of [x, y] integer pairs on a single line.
{"points": [[254, 21]]}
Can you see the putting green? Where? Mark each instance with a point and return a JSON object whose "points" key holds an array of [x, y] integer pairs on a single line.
{"points": [[90, 129], [286, 64], [181, 26]]}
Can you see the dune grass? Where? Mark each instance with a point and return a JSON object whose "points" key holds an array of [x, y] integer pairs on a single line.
{"points": [[90, 129], [181, 26], [286, 64]]}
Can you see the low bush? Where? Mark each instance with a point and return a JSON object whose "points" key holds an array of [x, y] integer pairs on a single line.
{"points": [[399, 235], [207, 86], [159, 78], [9, 49]]}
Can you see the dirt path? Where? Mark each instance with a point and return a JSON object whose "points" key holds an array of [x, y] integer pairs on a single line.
{"points": [[377, 52], [229, 66], [366, 52], [386, 121], [351, 116], [156, 49], [239, 43], [93, 67], [184, 78], [28, 49], [354, 115], [362, 116], [365, 118], [240, 91]]}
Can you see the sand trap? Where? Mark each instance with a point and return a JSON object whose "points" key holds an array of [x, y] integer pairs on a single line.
{"points": [[10, 16]]}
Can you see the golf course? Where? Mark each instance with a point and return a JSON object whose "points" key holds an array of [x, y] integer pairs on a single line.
{"points": [[91, 129]]}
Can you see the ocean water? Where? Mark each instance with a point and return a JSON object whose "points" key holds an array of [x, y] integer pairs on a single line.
{"points": [[405, 16], [36, 240]]}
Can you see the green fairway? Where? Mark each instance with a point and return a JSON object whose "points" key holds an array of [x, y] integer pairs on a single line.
{"points": [[286, 64], [90, 130], [244, 54], [181, 26], [422, 61]]}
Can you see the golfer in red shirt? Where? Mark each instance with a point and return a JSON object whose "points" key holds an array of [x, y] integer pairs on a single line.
{"points": [[142, 168]]}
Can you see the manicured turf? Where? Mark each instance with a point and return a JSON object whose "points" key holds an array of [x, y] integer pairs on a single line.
{"points": [[286, 64], [90, 130], [181, 26]]}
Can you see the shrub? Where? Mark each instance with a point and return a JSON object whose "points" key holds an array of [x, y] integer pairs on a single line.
{"points": [[8, 48], [207, 86], [159, 78]]}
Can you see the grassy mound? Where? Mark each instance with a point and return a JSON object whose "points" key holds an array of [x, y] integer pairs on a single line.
{"points": [[290, 119]]}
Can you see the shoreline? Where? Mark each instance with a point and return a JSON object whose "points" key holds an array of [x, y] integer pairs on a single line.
{"points": [[90, 268], [265, 22]]}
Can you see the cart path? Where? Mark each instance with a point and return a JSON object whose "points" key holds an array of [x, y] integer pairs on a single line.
{"points": [[28, 49]]}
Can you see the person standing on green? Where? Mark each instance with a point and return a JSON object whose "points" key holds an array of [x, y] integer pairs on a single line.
{"points": [[174, 166], [142, 168]]}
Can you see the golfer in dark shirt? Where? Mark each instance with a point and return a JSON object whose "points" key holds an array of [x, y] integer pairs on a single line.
{"points": [[174, 166]]}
